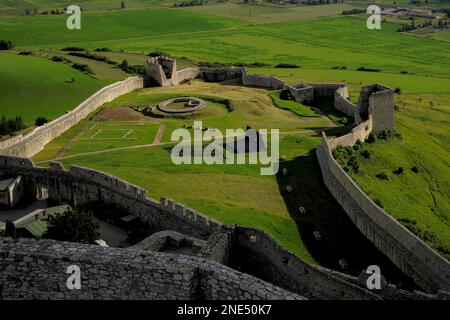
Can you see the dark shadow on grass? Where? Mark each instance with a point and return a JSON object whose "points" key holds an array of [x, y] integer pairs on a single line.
{"points": [[340, 239]]}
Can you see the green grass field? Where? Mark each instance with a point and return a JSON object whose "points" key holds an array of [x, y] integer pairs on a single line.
{"points": [[32, 87]]}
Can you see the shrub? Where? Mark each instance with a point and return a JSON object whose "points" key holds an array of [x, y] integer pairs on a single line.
{"points": [[6, 45], [25, 53], [415, 169], [102, 50], [382, 176], [366, 154], [371, 138], [382, 135], [60, 59], [378, 202], [287, 65], [399, 170], [82, 67], [368, 69], [285, 95], [74, 226], [398, 90], [40, 121], [158, 53], [73, 49]]}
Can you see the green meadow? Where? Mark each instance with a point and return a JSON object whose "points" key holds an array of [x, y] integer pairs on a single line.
{"points": [[32, 87]]}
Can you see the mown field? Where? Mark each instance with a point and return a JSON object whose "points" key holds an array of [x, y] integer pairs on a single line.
{"points": [[32, 87]]}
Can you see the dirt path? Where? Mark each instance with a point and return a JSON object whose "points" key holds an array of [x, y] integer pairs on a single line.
{"points": [[73, 141], [160, 133]]}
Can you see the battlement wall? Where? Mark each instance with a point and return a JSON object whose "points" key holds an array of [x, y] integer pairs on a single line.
{"points": [[115, 273], [34, 142], [342, 103]]}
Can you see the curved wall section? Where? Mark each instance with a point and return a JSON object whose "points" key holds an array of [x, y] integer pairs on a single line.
{"points": [[34, 142], [410, 254]]}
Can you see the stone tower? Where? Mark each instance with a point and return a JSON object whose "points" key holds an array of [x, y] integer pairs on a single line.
{"points": [[378, 101], [161, 71]]}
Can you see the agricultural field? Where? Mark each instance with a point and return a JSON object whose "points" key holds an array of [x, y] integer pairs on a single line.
{"points": [[33, 87]]}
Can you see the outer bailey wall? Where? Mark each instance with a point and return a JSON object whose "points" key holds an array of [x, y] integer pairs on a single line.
{"points": [[358, 133], [220, 74], [282, 268], [302, 93], [188, 74], [342, 104], [410, 254], [33, 269], [34, 142], [261, 81]]}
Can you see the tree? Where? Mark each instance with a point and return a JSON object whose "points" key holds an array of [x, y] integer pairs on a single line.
{"points": [[6, 45], [124, 64], [3, 126], [41, 120], [19, 124], [73, 225]]}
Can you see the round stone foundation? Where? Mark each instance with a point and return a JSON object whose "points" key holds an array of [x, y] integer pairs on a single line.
{"points": [[191, 104]]}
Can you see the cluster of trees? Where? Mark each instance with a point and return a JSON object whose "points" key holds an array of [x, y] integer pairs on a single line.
{"points": [[136, 69], [287, 65], [8, 126], [92, 56], [83, 68], [6, 45], [368, 69], [74, 225], [190, 3], [53, 11], [83, 53]]}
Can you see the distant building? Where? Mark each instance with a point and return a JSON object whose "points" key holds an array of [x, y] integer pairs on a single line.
{"points": [[11, 191], [35, 224], [408, 12]]}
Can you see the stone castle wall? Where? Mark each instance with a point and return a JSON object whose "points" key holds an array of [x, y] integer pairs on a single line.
{"points": [[358, 133], [188, 74], [301, 92], [342, 103], [280, 267], [261, 81], [410, 254], [31, 269], [34, 142]]}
